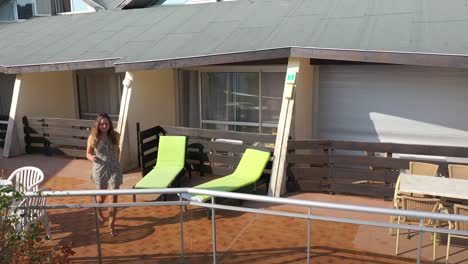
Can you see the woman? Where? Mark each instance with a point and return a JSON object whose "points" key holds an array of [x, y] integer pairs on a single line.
{"points": [[103, 150]]}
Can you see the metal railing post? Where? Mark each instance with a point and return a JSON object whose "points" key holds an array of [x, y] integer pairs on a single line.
{"points": [[421, 222], [182, 233], [309, 223], [98, 235], [213, 227]]}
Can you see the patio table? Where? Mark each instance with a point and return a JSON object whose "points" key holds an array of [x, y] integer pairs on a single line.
{"points": [[435, 186]]}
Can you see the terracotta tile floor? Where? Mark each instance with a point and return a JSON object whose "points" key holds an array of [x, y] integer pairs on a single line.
{"points": [[152, 234]]}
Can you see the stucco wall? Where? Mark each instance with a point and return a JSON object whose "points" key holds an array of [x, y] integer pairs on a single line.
{"points": [[152, 102], [304, 101], [49, 94]]}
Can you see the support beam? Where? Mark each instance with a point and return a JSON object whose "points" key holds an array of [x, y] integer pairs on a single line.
{"points": [[122, 126], [284, 125], [12, 139], [298, 93]]}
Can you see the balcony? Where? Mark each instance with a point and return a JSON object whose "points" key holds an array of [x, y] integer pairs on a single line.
{"points": [[152, 234]]}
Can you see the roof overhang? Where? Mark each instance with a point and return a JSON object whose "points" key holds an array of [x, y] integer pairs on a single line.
{"points": [[204, 60], [371, 56], [60, 66], [386, 57]]}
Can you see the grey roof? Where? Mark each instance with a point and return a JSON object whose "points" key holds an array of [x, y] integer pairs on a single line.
{"points": [[339, 29]]}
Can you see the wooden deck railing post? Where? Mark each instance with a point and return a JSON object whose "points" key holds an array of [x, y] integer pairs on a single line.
{"points": [[139, 143], [331, 172], [47, 147]]}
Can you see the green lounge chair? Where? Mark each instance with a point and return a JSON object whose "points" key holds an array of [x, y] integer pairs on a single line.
{"points": [[246, 175], [170, 165]]}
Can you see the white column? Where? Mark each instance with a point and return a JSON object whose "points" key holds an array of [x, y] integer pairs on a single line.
{"points": [[123, 118], [14, 142], [300, 86]]}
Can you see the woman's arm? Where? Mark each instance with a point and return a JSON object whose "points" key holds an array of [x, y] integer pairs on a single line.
{"points": [[117, 146], [90, 150], [117, 151]]}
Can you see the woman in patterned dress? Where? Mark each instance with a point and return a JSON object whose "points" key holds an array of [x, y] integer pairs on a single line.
{"points": [[103, 150]]}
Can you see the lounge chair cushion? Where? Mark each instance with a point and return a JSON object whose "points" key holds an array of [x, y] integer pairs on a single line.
{"points": [[249, 171], [169, 164], [171, 151], [159, 177]]}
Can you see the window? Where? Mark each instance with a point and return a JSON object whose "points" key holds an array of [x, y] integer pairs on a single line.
{"points": [[7, 10], [24, 8], [230, 101], [43, 8], [99, 91], [13, 10], [66, 6], [247, 101]]}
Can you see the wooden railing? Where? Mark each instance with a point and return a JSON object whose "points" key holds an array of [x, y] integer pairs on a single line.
{"points": [[57, 135], [361, 168], [209, 151], [3, 129]]}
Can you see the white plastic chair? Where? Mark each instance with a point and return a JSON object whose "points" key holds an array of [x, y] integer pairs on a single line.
{"points": [[27, 179], [29, 216]]}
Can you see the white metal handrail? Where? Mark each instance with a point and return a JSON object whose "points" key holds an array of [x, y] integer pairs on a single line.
{"points": [[257, 198]]}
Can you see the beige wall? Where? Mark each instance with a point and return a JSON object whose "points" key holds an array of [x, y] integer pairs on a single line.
{"points": [[304, 101], [49, 94], [151, 102]]}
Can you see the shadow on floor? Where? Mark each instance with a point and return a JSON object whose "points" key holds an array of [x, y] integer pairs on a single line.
{"points": [[280, 255]]}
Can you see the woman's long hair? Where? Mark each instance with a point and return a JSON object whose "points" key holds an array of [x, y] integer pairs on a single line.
{"points": [[113, 136]]}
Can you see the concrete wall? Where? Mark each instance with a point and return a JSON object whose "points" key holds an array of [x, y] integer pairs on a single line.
{"points": [[49, 94], [151, 101]]}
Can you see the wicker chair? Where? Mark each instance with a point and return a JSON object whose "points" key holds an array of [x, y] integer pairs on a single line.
{"points": [[418, 204], [396, 203], [422, 168], [458, 171], [460, 210], [418, 168]]}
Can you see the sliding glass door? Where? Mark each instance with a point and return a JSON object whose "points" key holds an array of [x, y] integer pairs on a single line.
{"points": [[245, 101]]}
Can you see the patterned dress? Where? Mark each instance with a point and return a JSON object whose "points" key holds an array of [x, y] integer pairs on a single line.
{"points": [[106, 169]]}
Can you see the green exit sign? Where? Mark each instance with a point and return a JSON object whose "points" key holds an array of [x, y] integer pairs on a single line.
{"points": [[291, 78]]}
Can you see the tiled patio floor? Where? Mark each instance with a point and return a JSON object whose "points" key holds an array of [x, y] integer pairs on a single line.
{"points": [[152, 234]]}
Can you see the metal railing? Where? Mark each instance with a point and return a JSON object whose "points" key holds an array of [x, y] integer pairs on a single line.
{"points": [[213, 206]]}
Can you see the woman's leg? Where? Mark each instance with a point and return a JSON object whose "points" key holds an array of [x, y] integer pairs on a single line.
{"points": [[101, 199], [113, 211]]}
